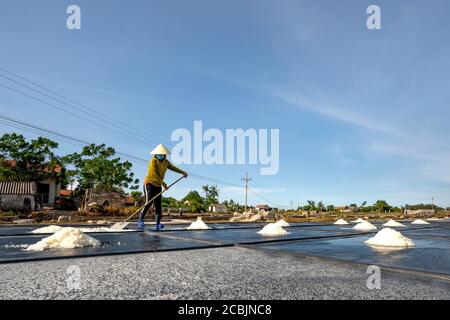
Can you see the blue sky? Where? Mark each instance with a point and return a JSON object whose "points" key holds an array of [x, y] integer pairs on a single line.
{"points": [[363, 115]]}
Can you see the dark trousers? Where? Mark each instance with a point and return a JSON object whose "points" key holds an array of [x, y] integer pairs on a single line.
{"points": [[151, 191]]}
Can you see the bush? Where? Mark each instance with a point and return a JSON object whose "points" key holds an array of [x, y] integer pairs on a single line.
{"points": [[7, 213]]}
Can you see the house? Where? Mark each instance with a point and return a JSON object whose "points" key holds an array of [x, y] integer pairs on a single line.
{"points": [[175, 210], [65, 193], [218, 208], [420, 212], [46, 190], [264, 207], [18, 196], [346, 209], [105, 199]]}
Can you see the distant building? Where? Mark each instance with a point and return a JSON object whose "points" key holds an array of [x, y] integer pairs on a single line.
{"points": [[218, 208], [420, 212], [176, 210], [65, 193], [46, 190], [344, 209], [264, 207], [105, 199], [18, 196]]}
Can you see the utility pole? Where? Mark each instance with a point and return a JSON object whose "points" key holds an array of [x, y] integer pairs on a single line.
{"points": [[246, 179]]}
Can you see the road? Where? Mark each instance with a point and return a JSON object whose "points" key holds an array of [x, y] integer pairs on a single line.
{"points": [[221, 273]]}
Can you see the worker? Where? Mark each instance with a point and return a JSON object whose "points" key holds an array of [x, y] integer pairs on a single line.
{"points": [[154, 182]]}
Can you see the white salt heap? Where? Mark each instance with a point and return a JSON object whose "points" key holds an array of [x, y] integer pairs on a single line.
{"points": [[393, 223], [341, 222], [419, 221], [54, 229], [272, 229], [282, 223], [359, 220], [388, 237], [66, 238], [198, 225], [364, 226], [48, 229]]}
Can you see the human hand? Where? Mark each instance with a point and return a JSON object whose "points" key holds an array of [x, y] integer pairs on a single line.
{"points": [[165, 186], [185, 175]]}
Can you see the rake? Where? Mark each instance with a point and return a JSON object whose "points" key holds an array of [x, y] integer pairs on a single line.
{"points": [[124, 223]]}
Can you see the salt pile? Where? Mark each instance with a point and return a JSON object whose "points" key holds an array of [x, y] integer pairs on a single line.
{"points": [[48, 229], [419, 221], [359, 220], [198, 225], [393, 223], [272, 229], [388, 237], [54, 229], [341, 222], [364, 226], [282, 223], [66, 238]]}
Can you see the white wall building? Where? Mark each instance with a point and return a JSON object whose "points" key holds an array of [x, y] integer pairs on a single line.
{"points": [[18, 196]]}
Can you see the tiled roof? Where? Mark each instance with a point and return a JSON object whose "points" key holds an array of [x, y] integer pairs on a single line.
{"points": [[15, 187]]}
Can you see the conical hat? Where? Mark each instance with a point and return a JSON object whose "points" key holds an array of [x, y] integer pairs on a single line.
{"points": [[161, 149]]}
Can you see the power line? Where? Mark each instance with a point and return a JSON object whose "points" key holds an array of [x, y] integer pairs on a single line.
{"points": [[267, 200], [138, 134], [246, 179], [78, 142], [38, 130], [69, 112], [91, 111]]}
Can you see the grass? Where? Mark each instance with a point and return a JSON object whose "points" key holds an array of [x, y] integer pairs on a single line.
{"points": [[7, 213]]}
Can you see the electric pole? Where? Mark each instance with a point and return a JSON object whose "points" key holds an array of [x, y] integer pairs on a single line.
{"points": [[246, 179], [432, 204]]}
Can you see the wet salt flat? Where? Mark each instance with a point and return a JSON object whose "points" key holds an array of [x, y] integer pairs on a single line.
{"points": [[12, 248], [431, 253]]}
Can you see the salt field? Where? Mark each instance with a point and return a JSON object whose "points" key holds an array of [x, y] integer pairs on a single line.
{"points": [[305, 237], [341, 245]]}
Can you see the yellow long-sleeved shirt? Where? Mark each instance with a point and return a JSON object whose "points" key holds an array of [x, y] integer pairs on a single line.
{"points": [[157, 170]]}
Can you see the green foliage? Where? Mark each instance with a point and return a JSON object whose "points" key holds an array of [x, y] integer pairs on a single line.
{"points": [[169, 202], [136, 195], [311, 206], [33, 161], [382, 206], [194, 202], [232, 206], [97, 168], [211, 194]]}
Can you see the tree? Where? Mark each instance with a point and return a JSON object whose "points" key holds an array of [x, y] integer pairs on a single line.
{"points": [[97, 168], [320, 206], [311, 206], [194, 202], [330, 208], [382, 206], [211, 194], [232, 206], [32, 161], [169, 202], [136, 195]]}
